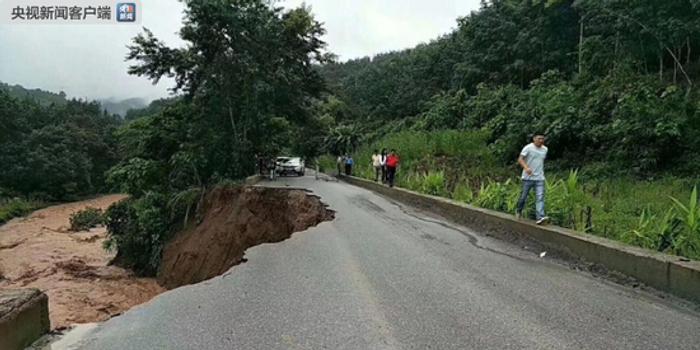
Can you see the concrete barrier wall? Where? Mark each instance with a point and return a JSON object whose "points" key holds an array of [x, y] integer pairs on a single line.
{"points": [[24, 317], [661, 271]]}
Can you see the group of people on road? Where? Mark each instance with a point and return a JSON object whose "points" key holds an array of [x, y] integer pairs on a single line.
{"points": [[531, 160], [345, 164], [264, 164], [385, 165]]}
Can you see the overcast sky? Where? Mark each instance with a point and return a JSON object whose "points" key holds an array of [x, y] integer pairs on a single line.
{"points": [[88, 60]]}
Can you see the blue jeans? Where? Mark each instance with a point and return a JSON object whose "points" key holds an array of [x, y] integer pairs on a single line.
{"points": [[539, 196]]}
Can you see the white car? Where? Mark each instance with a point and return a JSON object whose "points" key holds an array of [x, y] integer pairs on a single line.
{"points": [[290, 165]]}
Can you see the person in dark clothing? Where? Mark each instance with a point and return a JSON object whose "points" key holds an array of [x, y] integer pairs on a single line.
{"points": [[349, 162], [261, 164], [382, 161], [392, 162]]}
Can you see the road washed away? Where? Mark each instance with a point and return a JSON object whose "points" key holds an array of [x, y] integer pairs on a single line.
{"points": [[83, 287], [232, 220]]}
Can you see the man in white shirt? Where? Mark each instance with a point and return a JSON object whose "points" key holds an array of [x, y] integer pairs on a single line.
{"points": [[531, 159], [377, 164]]}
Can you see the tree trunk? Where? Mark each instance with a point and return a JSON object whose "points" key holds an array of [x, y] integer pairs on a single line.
{"points": [[617, 45], [644, 56], [687, 60], [680, 67], [580, 47], [661, 66], [675, 73]]}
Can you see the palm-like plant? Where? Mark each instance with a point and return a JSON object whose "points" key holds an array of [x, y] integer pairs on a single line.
{"points": [[687, 243], [342, 139]]}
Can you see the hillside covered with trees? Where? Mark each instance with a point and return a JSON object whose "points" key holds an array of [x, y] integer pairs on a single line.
{"points": [[612, 84], [53, 151]]}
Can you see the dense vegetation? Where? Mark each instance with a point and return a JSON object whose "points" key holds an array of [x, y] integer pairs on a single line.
{"points": [[246, 78], [51, 151], [14, 207], [42, 97], [86, 219], [611, 83]]}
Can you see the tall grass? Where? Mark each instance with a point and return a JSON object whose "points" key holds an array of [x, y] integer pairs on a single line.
{"points": [[687, 241], [458, 154]]}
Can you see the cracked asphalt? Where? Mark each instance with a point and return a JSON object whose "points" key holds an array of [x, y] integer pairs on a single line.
{"points": [[381, 276]]}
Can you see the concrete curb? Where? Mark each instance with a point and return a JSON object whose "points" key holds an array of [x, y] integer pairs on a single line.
{"points": [[662, 271], [252, 180], [24, 317]]}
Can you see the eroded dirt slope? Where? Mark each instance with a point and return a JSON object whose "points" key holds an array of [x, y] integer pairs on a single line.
{"points": [[232, 220]]}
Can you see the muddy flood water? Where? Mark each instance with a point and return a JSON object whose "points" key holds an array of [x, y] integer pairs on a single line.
{"points": [[38, 251]]}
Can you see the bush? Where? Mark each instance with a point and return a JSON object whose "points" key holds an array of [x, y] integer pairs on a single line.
{"points": [[687, 241], [652, 232], [463, 193], [86, 219], [11, 208], [327, 164], [138, 230], [567, 204], [434, 184]]}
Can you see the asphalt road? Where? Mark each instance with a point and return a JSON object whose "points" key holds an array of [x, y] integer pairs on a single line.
{"points": [[381, 276]]}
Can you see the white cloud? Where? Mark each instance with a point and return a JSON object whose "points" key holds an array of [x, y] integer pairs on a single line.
{"points": [[365, 27]]}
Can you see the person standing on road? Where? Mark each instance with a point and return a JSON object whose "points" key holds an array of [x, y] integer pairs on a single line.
{"points": [[392, 162], [261, 164], [271, 167], [340, 161], [382, 163], [531, 159], [349, 162], [377, 164]]}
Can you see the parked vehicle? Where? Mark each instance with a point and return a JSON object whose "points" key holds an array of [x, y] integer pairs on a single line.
{"points": [[290, 165]]}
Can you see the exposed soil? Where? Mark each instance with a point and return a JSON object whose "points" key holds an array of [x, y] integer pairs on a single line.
{"points": [[232, 220], [38, 251]]}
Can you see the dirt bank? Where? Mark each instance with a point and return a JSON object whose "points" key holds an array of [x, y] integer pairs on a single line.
{"points": [[38, 252], [231, 220]]}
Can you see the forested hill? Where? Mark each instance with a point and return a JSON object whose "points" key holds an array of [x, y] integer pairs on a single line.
{"points": [[122, 107], [43, 97], [47, 98], [607, 80], [55, 151]]}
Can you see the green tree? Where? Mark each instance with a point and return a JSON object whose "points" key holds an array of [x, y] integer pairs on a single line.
{"points": [[247, 80]]}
